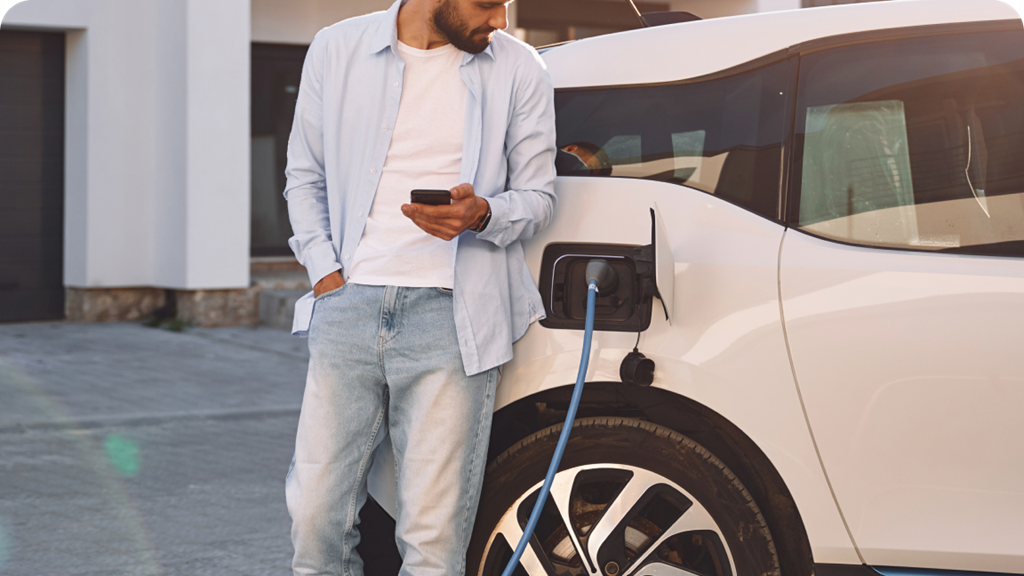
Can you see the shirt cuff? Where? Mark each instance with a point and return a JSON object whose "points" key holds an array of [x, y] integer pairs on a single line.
{"points": [[498, 222], [320, 260]]}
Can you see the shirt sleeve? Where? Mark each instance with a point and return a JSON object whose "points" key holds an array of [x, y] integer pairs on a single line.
{"points": [[527, 206], [306, 188]]}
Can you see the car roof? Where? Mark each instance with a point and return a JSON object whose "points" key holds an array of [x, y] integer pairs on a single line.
{"points": [[693, 49]]}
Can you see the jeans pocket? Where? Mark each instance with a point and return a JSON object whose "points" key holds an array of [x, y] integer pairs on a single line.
{"points": [[445, 291], [330, 292]]}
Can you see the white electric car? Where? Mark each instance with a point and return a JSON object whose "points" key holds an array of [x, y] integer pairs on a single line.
{"points": [[817, 220]]}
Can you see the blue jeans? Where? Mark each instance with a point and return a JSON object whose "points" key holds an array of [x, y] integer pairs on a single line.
{"points": [[386, 360]]}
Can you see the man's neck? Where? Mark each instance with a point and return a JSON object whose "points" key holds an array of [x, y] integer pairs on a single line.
{"points": [[415, 28]]}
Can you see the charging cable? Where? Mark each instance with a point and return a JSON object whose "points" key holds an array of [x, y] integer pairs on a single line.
{"points": [[598, 273]]}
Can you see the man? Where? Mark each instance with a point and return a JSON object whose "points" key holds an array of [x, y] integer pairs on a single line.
{"points": [[414, 307]]}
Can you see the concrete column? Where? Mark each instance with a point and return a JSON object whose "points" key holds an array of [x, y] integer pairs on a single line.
{"points": [[201, 199], [217, 196], [169, 215]]}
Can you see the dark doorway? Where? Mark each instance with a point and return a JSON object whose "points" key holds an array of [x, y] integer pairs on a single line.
{"points": [[31, 176], [276, 70]]}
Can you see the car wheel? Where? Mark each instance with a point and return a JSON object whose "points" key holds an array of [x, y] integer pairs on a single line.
{"points": [[631, 498]]}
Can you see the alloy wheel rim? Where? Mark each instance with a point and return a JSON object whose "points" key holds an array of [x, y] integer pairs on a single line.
{"points": [[648, 526]]}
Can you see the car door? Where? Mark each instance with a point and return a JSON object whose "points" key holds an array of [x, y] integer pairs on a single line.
{"points": [[902, 282]]}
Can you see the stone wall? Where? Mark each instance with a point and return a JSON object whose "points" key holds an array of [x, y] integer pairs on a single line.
{"points": [[206, 308], [112, 304], [211, 308]]}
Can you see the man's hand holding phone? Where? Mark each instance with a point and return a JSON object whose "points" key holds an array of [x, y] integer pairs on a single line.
{"points": [[446, 221]]}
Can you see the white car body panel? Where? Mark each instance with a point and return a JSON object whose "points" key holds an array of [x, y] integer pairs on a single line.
{"points": [[709, 46], [911, 370], [725, 347]]}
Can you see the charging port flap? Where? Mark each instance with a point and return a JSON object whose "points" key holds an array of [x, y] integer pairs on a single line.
{"points": [[665, 265], [642, 272]]}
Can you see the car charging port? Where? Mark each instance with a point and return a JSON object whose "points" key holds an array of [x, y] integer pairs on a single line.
{"points": [[623, 305]]}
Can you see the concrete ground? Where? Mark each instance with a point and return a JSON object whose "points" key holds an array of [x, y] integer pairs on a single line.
{"points": [[134, 450]]}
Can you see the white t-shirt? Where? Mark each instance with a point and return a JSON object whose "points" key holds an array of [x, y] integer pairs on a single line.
{"points": [[425, 152]]}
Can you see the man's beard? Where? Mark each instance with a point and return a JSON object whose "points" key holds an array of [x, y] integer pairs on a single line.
{"points": [[447, 20]]}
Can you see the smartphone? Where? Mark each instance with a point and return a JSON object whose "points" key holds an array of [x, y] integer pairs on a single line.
{"points": [[432, 197]]}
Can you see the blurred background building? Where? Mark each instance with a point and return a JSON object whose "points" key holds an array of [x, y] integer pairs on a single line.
{"points": [[142, 146]]}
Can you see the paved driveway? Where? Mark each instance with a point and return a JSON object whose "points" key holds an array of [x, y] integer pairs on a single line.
{"points": [[133, 450]]}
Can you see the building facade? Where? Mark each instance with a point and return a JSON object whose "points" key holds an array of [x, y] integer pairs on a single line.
{"points": [[142, 153]]}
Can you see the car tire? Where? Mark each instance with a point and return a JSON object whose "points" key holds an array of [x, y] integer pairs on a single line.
{"points": [[640, 498]]}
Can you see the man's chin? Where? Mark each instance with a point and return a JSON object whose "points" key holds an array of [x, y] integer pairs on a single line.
{"points": [[484, 43], [475, 43]]}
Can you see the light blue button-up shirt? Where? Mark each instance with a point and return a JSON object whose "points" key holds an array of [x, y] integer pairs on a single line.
{"points": [[348, 102]]}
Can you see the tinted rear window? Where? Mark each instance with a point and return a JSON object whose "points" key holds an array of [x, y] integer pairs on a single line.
{"points": [[915, 143]]}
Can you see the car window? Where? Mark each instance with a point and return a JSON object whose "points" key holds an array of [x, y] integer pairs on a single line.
{"points": [[915, 143], [722, 136]]}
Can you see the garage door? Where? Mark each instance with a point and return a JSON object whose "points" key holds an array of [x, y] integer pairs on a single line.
{"points": [[31, 175]]}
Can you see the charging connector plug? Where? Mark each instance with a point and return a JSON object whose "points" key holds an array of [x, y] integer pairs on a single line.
{"points": [[599, 271]]}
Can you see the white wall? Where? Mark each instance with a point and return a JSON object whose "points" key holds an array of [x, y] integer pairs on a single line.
{"points": [[715, 8], [157, 140], [774, 5], [719, 8], [297, 21]]}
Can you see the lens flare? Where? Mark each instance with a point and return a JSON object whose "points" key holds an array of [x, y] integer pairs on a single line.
{"points": [[123, 455], [107, 460]]}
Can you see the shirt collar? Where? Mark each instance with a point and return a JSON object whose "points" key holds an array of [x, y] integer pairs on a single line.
{"points": [[387, 35], [387, 30]]}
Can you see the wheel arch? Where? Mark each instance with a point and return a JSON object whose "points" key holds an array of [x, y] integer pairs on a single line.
{"points": [[738, 451]]}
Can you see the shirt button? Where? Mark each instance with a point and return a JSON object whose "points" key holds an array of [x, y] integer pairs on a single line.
{"points": [[360, 214], [346, 256], [396, 84], [385, 128], [373, 170]]}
